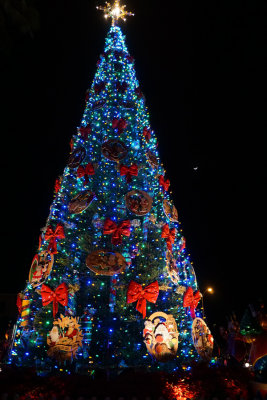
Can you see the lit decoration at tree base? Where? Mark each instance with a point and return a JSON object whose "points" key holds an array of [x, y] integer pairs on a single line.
{"points": [[161, 336], [202, 338], [64, 339]]}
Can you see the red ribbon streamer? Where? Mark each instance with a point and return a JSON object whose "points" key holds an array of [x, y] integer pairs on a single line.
{"points": [[52, 236], [119, 124], [57, 185], [169, 235], [147, 134], [111, 228], [164, 183], [191, 300], [60, 295], [129, 171], [137, 293], [85, 171]]}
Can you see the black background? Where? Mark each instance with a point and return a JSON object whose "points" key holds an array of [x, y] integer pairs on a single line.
{"points": [[201, 68]]}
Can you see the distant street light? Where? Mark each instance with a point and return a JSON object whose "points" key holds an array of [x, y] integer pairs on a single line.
{"points": [[209, 290]]}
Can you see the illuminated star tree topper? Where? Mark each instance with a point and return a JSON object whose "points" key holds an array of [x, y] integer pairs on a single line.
{"points": [[115, 11]]}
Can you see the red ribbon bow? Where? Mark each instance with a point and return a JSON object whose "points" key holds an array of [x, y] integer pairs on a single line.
{"points": [[191, 300], [129, 171], [137, 293], [121, 87], [85, 131], [119, 124], [57, 185], [147, 134], [85, 171], [60, 295], [169, 235], [111, 228], [52, 236], [164, 183], [98, 87], [19, 303]]}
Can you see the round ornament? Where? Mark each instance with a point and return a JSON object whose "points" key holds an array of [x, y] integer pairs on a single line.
{"points": [[76, 157], [138, 202], [81, 201], [64, 339], [161, 336], [202, 338], [114, 150], [104, 262], [152, 159], [40, 268], [98, 104], [170, 211]]}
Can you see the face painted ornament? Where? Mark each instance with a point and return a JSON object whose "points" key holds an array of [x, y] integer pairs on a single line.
{"points": [[104, 262], [172, 268], [202, 338], [64, 339], [114, 150], [81, 201], [42, 264], [138, 202], [161, 336], [76, 157], [170, 211]]}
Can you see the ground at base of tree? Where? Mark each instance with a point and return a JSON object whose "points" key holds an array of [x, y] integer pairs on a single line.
{"points": [[201, 382]]}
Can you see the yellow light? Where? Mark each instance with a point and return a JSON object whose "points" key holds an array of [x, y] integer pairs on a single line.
{"points": [[210, 290]]}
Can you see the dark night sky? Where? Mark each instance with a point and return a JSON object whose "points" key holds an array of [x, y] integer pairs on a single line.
{"points": [[201, 69]]}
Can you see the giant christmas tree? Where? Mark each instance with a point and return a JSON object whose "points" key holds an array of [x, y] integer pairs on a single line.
{"points": [[111, 284]]}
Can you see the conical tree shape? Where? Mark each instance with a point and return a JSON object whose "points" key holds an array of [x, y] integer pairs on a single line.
{"points": [[112, 264]]}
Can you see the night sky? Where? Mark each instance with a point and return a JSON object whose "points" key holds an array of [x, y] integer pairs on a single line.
{"points": [[201, 69]]}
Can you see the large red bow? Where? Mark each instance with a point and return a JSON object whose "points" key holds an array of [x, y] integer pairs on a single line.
{"points": [[137, 293], [169, 235], [191, 300], [98, 87], [129, 171], [52, 236], [164, 183], [119, 124], [85, 171], [147, 134], [111, 228], [60, 295], [121, 87]]}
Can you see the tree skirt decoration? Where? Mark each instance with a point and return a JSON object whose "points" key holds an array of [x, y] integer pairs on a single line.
{"points": [[202, 338], [64, 339], [104, 262], [170, 211], [81, 201], [138, 202], [114, 150], [161, 336], [76, 157], [152, 159], [41, 266]]}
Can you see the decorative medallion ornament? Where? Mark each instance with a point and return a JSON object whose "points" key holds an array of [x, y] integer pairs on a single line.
{"points": [[81, 201], [161, 336], [104, 262], [114, 150], [172, 268], [152, 159], [138, 202], [64, 339], [76, 157], [202, 338], [170, 211], [41, 266]]}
